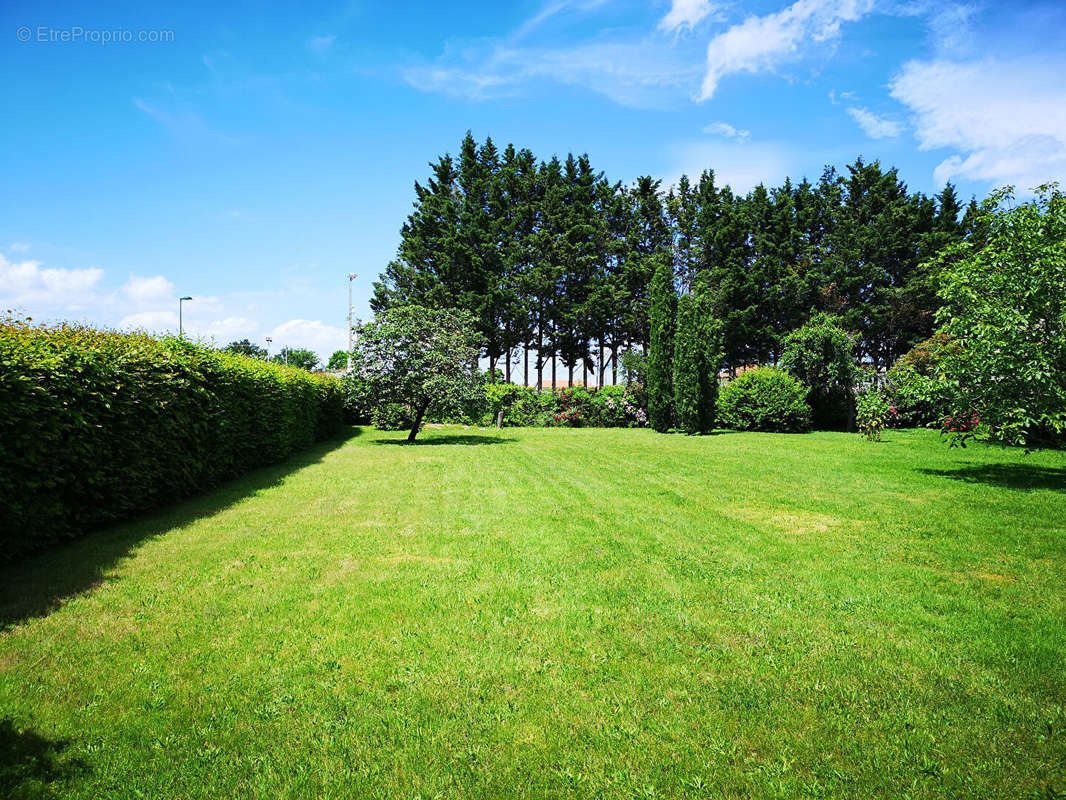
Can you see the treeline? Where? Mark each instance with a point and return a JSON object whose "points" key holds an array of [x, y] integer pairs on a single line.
{"points": [[554, 260]]}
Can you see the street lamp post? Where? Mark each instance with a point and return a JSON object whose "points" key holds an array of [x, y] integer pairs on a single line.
{"points": [[351, 277], [268, 341], [181, 317]]}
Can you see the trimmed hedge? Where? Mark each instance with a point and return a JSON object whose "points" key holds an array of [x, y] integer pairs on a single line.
{"points": [[96, 426], [764, 399]]}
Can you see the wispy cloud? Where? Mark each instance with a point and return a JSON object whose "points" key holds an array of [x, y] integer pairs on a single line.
{"points": [[759, 44], [632, 72], [686, 14], [874, 125], [727, 131], [1006, 119], [183, 123]]}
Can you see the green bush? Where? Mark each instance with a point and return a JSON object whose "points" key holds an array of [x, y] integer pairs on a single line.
{"points": [[921, 396], [519, 404], [821, 355], [764, 399], [391, 417], [874, 413], [96, 426], [573, 408]]}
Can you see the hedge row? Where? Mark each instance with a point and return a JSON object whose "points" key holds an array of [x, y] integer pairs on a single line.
{"points": [[96, 425]]}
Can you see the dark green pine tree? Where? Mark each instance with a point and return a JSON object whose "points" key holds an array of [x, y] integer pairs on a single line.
{"points": [[425, 271], [647, 246], [662, 309], [696, 354]]}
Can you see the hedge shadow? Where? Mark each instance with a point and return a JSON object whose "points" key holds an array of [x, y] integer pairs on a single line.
{"points": [[39, 583]]}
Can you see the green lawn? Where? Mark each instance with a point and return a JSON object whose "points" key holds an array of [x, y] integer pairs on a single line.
{"points": [[549, 613]]}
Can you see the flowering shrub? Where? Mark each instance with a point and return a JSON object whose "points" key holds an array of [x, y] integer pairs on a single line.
{"points": [[576, 407], [922, 396], [617, 407], [962, 423], [874, 413]]}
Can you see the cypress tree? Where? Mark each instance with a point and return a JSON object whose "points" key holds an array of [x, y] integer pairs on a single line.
{"points": [[662, 310], [696, 355]]}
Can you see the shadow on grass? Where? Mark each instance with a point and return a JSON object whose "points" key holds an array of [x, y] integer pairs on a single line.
{"points": [[449, 438], [29, 762], [38, 583], [1020, 477]]}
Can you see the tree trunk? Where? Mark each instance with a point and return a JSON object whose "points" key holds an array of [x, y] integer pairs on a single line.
{"points": [[525, 364], [585, 372], [492, 369], [540, 360], [507, 367], [418, 422], [614, 363], [570, 377], [553, 373]]}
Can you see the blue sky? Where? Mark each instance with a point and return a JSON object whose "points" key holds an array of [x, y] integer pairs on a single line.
{"points": [[256, 154]]}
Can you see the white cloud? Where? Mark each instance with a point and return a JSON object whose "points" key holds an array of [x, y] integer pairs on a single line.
{"points": [[19, 247], [226, 330], [148, 290], [314, 335], [760, 43], [1005, 119], [835, 97], [726, 130], [875, 126], [25, 284], [685, 14]]}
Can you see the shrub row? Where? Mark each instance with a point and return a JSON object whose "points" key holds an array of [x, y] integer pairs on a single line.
{"points": [[575, 407], [96, 425]]}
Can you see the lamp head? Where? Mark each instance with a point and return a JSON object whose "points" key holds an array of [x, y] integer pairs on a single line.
{"points": [[185, 298]]}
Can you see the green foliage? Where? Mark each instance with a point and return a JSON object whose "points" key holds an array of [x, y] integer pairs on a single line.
{"points": [[295, 357], [572, 408], [96, 426], [419, 357], [696, 355], [553, 257], [391, 417], [635, 368], [1005, 304], [338, 361], [920, 393], [764, 399], [617, 407], [521, 405], [663, 311], [821, 355], [873, 413], [246, 348]]}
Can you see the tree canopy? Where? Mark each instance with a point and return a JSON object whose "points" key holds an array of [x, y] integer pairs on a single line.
{"points": [[296, 357], [420, 357], [246, 348], [339, 360], [554, 260], [1005, 305]]}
